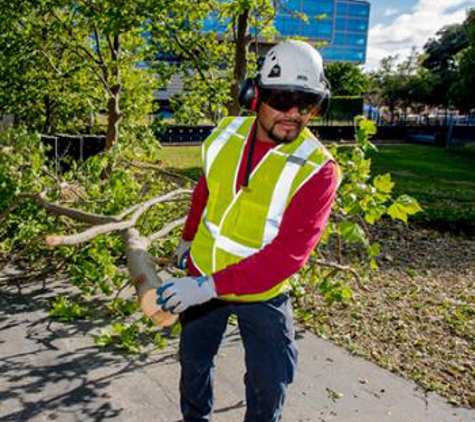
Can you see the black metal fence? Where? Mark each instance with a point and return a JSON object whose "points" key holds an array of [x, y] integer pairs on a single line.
{"points": [[429, 134], [65, 147], [184, 134], [81, 147]]}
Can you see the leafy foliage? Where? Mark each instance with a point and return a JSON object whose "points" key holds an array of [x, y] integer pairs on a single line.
{"points": [[346, 251], [95, 269], [65, 310], [346, 79], [465, 60]]}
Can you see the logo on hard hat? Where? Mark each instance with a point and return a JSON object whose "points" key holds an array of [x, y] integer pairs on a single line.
{"points": [[275, 72]]}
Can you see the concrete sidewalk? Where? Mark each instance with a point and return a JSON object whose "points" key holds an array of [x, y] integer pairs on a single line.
{"points": [[51, 371]]}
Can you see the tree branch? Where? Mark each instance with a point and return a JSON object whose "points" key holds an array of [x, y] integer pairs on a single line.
{"points": [[157, 167], [340, 267], [192, 57], [167, 229], [87, 55], [115, 225], [83, 216], [102, 62], [50, 62]]}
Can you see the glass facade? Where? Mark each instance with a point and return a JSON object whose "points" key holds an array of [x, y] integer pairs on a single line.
{"points": [[351, 32], [342, 24]]}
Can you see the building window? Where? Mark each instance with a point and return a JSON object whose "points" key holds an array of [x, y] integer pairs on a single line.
{"points": [[358, 10], [318, 7]]}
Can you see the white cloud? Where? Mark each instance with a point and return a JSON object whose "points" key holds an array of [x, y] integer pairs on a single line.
{"points": [[390, 12], [413, 29]]}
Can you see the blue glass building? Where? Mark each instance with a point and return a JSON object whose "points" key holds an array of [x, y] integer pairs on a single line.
{"points": [[342, 24]]}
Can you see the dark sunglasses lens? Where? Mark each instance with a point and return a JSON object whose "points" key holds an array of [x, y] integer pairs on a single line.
{"points": [[284, 101], [276, 99]]}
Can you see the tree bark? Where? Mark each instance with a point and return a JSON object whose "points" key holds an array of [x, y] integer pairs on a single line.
{"points": [[114, 116], [240, 62], [113, 107], [141, 266]]}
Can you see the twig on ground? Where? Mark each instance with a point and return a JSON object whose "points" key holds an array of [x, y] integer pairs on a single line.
{"points": [[341, 267]]}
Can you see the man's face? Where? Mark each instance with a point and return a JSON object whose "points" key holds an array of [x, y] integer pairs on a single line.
{"points": [[284, 126]]}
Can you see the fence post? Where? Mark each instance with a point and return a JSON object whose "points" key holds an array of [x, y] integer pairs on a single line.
{"points": [[450, 131]]}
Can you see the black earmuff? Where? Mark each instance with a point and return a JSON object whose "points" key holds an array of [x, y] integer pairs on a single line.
{"points": [[249, 94]]}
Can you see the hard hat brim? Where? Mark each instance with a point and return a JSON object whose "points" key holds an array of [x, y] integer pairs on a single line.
{"points": [[293, 88]]}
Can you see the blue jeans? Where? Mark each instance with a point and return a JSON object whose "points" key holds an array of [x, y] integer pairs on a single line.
{"points": [[267, 333]]}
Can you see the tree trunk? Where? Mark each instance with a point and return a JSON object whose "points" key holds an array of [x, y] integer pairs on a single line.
{"points": [[113, 107], [114, 116], [240, 62]]}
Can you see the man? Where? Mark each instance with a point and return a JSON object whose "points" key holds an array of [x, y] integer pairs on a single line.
{"points": [[257, 213]]}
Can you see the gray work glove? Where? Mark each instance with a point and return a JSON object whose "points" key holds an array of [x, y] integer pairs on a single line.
{"points": [[178, 294], [181, 253]]}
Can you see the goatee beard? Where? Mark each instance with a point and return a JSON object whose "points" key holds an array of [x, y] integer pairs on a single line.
{"points": [[286, 139]]}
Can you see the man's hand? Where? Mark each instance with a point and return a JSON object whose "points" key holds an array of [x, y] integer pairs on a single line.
{"points": [[181, 253], [179, 294]]}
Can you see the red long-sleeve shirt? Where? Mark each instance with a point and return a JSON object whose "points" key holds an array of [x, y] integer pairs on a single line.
{"points": [[302, 226]]}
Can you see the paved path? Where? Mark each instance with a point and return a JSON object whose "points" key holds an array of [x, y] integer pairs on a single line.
{"points": [[51, 371]]}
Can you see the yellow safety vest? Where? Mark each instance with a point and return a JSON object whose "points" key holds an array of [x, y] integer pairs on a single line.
{"points": [[236, 225]]}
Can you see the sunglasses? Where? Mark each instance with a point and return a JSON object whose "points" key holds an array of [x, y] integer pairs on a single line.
{"points": [[283, 101]]}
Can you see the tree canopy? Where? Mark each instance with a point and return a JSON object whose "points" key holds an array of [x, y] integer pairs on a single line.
{"points": [[346, 79], [441, 75]]}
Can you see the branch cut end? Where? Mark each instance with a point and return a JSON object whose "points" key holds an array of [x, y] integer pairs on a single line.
{"points": [[53, 240]]}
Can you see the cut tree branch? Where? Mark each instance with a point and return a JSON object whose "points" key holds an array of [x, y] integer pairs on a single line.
{"points": [[167, 229], [83, 216], [114, 225]]}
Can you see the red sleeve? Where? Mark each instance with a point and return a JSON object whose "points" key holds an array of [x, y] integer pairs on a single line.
{"points": [[198, 204], [301, 228]]}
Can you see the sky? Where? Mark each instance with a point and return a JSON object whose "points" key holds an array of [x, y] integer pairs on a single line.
{"points": [[396, 26]]}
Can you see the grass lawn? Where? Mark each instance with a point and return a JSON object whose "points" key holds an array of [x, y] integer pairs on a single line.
{"points": [[184, 160], [442, 180]]}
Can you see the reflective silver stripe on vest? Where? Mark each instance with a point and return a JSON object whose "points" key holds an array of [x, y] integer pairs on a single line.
{"points": [[220, 141], [225, 243], [235, 248], [282, 189], [213, 228]]}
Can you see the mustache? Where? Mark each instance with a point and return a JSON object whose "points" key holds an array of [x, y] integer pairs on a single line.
{"points": [[289, 120]]}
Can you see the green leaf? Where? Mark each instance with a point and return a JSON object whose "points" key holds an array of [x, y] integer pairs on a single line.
{"points": [[374, 249], [368, 126], [404, 206], [374, 214], [383, 183], [346, 293], [352, 232]]}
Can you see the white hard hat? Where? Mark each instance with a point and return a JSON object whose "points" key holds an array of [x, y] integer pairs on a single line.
{"points": [[293, 65]]}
